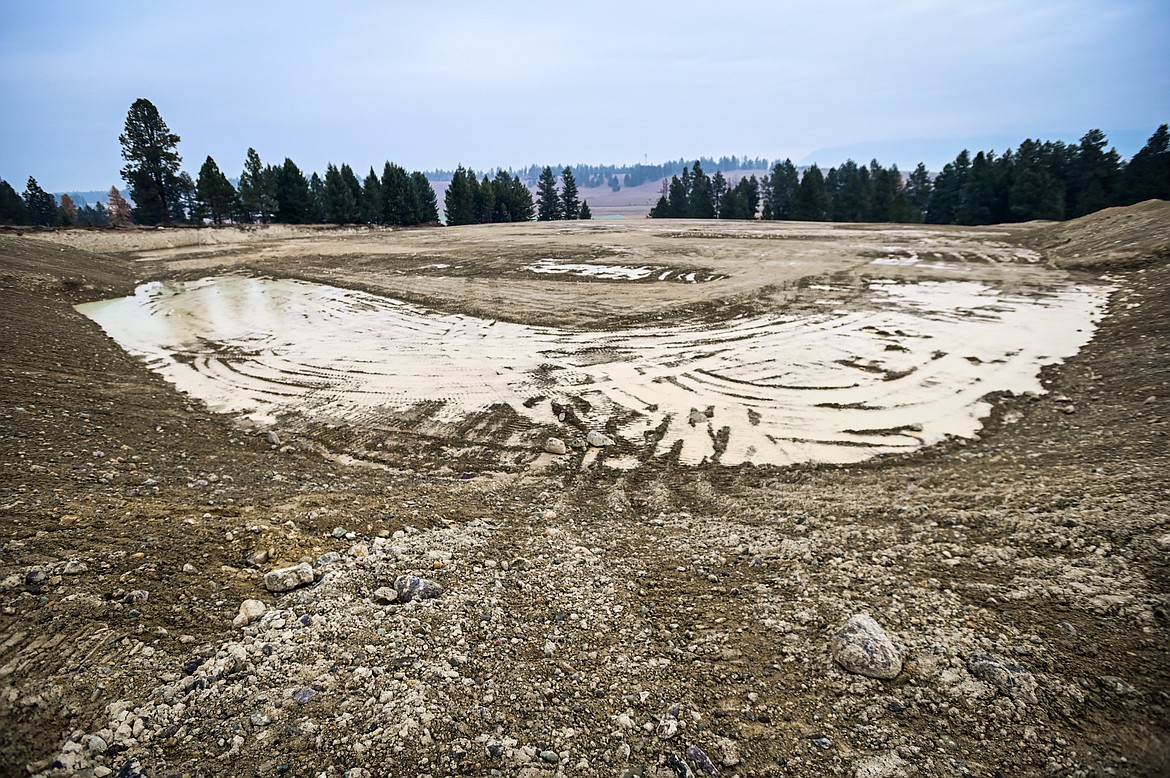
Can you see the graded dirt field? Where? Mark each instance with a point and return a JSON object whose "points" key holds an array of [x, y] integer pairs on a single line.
{"points": [[642, 617]]}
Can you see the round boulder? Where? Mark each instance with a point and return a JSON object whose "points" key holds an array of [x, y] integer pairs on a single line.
{"points": [[864, 648]]}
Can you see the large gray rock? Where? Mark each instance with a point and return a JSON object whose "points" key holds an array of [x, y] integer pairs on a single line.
{"points": [[555, 446], [597, 439], [411, 587], [864, 648], [286, 578]]}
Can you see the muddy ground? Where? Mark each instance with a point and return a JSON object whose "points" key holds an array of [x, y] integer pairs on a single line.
{"points": [[593, 622]]}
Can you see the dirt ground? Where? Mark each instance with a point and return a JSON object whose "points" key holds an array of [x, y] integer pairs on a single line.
{"points": [[667, 620]]}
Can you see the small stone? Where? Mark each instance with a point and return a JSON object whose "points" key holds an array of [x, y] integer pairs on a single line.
{"points": [[138, 595], [272, 438], [339, 532], [701, 761], [259, 718], [820, 741], [411, 587], [73, 567], [302, 696], [1009, 678], [250, 610], [384, 595], [552, 757], [286, 578], [495, 749], [864, 648], [97, 744], [328, 558], [598, 440], [555, 446], [678, 766], [190, 568]]}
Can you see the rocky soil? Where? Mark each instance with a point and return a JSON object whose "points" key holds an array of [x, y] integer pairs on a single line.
{"points": [[666, 621]]}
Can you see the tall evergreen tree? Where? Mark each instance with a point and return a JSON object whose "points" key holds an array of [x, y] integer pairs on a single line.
{"points": [[585, 214], [548, 202], [484, 197], [812, 198], [701, 198], [718, 190], [570, 199], [12, 210], [428, 203], [257, 197], [39, 205], [152, 162], [918, 189], [397, 196], [1147, 176], [355, 188], [373, 206], [1095, 175], [317, 203], [217, 197], [340, 205], [949, 186], [459, 201], [293, 198]]}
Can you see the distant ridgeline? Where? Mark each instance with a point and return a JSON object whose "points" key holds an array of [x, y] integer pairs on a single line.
{"points": [[1039, 180]]}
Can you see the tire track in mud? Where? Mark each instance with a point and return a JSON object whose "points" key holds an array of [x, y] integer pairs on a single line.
{"points": [[836, 386]]}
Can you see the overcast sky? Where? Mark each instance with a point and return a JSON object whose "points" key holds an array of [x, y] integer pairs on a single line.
{"points": [[434, 83]]}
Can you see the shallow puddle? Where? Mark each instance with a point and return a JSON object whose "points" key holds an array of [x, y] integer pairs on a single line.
{"points": [[907, 365]]}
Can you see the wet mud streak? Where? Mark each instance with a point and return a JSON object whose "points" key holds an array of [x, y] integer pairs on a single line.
{"points": [[910, 365]]}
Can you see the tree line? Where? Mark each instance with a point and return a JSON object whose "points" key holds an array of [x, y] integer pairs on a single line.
{"points": [[163, 194], [1039, 180]]}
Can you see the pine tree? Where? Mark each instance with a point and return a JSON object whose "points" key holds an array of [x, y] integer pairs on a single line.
{"points": [[718, 190], [459, 201], [117, 209], [257, 197], [548, 202], [317, 205], [785, 183], [918, 189], [586, 214], [1147, 176], [12, 210], [812, 199], [293, 197], [570, 204], [949, 186], [355, 188], [701, 200], [152, 162], [485, 201], [428, 203], [398, 196], [373, 207], [1095, 175], [340, 205], [216, 196], [39, 205]]}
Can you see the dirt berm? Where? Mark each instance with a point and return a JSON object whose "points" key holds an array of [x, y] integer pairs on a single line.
{"points": [[661, 621]]}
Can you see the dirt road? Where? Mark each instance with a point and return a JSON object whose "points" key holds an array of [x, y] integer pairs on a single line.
{"points": [[592, 621]]}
